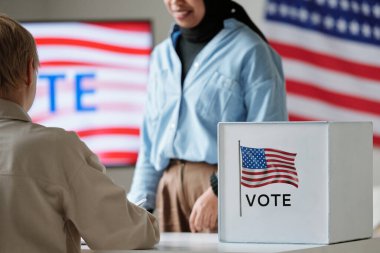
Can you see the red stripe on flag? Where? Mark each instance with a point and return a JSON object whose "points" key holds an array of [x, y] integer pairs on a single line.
{"points": [[271, 182], [268, 177], [279, 151], [279, 161], [268, 172], [281, 157], [277, 165], [117, 158], [91, 44], [334, 98], [327, 61], [295, 117], [124, 26], [109, 131], [376, 140], [88, 64]]}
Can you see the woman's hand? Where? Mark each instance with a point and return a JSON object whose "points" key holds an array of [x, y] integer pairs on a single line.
{"points": [[204, 215]]}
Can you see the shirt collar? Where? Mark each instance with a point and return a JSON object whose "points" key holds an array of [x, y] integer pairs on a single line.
{"points": [[175, 32], [11, 110]]}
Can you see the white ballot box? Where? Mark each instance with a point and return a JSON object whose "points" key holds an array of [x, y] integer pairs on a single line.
{"points": [[295, 182]]}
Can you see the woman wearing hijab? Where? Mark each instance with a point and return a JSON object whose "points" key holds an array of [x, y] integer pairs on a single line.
{"points": [[216, 66]]}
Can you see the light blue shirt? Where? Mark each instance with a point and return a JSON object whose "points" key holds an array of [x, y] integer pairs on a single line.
{"points": [[235, 77]]}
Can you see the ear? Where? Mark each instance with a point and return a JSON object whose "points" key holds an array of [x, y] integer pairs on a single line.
{"points": [[30, 73]]}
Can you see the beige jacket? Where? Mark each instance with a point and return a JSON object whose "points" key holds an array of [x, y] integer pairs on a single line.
{"points": [[53, 190]]}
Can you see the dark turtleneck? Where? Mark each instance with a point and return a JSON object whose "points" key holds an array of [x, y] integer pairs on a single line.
{"points": [[193, 40], [187, 51]]}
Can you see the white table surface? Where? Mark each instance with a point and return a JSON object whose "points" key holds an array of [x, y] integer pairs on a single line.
{"points": [[187, 242]]}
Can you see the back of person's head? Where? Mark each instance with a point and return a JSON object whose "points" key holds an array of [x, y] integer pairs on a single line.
{"points": [[17, 50]]}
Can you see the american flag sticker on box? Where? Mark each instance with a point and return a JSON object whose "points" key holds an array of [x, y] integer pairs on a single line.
{"points": [[264, 166]]}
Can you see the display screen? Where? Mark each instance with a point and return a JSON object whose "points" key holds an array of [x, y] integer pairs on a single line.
{"points": [[92, 80]]}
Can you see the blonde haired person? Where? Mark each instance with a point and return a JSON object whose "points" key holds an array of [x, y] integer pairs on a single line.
{"points": [[53, 189]]}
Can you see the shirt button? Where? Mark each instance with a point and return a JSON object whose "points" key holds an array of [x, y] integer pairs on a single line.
{"points": [[172, 126], [196, 64]]}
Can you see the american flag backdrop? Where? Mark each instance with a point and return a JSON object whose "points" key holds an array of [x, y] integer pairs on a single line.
{"points": [[331, 57], [92, 80], [264, 166]]}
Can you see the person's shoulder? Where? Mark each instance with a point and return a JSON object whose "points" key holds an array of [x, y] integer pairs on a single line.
{"points": [[161, 47], [55, 138], [55, 154], [160, 56], [64, 145], [166, 45], [242, 33], [51, 133]]}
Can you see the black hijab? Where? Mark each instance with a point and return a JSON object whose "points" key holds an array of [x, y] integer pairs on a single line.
{"points": [[216, 12]]}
